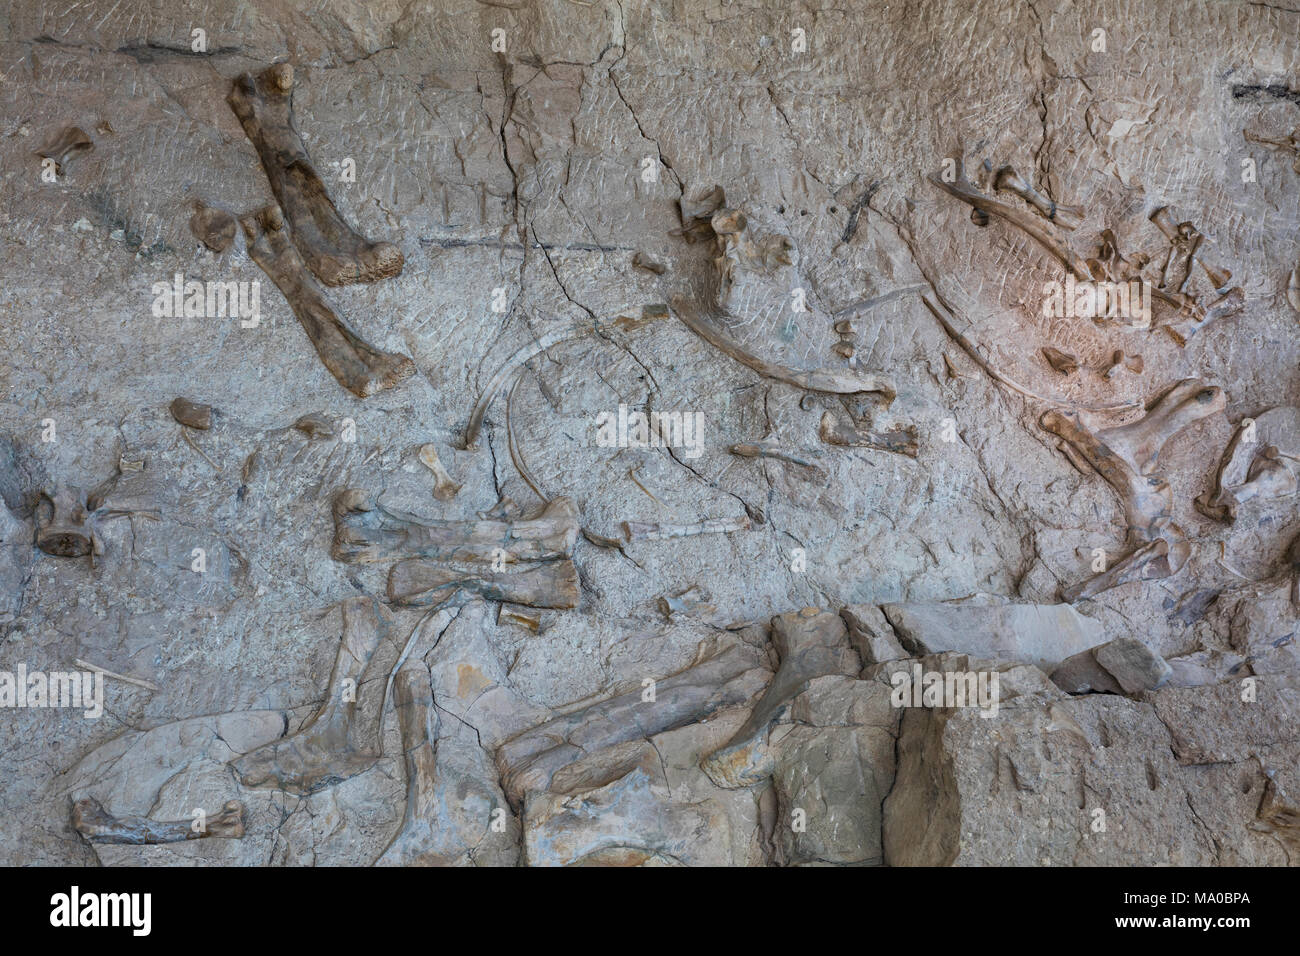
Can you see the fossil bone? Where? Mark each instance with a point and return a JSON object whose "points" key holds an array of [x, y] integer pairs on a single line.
{"points": [[97, 825], [1068, 217], [332, 249], [444, 488], [213, 227], [65, 524], [358, 366], [1193, 317], [416, 842], [192, 414], [810, 643], [419, 582], [366, 532], [68, 143], [649, 262], [766, 449], [1119, 360], [1289, 145], [693, 600], [528, 618], [1254, 464], [836, 431], [324, 752], [1063, 362], [648, 531]]}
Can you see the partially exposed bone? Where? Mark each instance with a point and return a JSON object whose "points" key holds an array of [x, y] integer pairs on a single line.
{"points": [[420, 583], [365, 532], [1159, 559], [1121, 361], [691, 601], [697, 214], [1063, 362], [358, 366], [768, 450], [1139, 442], [836, 431], [315, 425], [1187, 325], [1289, 145], [835, 380], [65, 525], [324, 752], [416, 842], [647, 531], [335, 252], [91, 820], [650, 263], [1068, 217], [68, 143], [1254, 464], [147, 685], [1031, 224], [1293, 288], [526, 617], [1185, 241], [213, 227], [719, 678], [191, 414], [444, 488], [810, 643]]}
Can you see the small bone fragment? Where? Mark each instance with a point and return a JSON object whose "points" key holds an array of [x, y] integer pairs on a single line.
{"points": [[810, 643], [768, 450], [1190, 321], [694, 600], [844, 350], [147, 685], [836, 431], [1119, 360], [365, 532], [315, 425], [332, 249], [646, 531], [97, 825], [358, 366], [1063, 362], [1068, 217], [324, 752], [192, 414], [526, 617], [444, 489], [697, 214], [418, 582], [213, 227], [650, 263], [837, 381], [68, 143], [1029, 223], [719, 678], [1293, 288]]}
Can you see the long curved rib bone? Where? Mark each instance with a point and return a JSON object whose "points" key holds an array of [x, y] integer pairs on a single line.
{"points": [[359, 367], [92, 821], [336, 253]]}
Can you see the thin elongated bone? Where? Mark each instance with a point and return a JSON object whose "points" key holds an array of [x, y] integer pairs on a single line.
{"points": [[719, 678], [333, 250], [421, 583], [1185, 241], [147, 685], [416, 842], [97, 825], [1067, 217], [646, 531], [444, 488], [366, 532], [324, 752], [811, 643], [359, 367], [768, 450], [834, 380], [836, 431], [1029, 223], [68, 143]]}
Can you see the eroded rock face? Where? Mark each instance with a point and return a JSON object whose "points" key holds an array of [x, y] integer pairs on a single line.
{"points": [[379, 589]]}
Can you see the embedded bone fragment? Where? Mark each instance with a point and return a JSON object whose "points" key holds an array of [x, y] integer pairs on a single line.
{"points": [[650, 263], [91, 820], [420, 583], [1031, 224], [694, 600], [192, 414], [1063, 362], [358, 366], [444, 489], [720, 677], [1068, 217], [366, 532], [697, 214], [810, 643], [325, 752], [213, 227], [768, 450], [1293, 288], [1140, 442], [315, 425], [837, 381], [416, 842], [68, 143], [65, 525], [1255, 463], [836, 431], [526, 617], [1185, 242], [332, 249], [647, 531], [1119, 360], [1183, 328]]}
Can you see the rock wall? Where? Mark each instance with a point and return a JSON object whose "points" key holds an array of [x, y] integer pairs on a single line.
{"points": [[595, 418]]}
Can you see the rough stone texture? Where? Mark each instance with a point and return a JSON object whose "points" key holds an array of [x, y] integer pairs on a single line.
{"points": [[549, 200], [1121, 666]]}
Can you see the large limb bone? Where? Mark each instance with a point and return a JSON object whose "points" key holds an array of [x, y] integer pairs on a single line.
{"points": [[548, 584], [324, 752], [1139, 443], [1159, 559], [1067, 217], [359, 367], [720, 679], [415, 842], [1031, 224], [97, 825], [333, 250], [365, 532], [811, 643]]}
